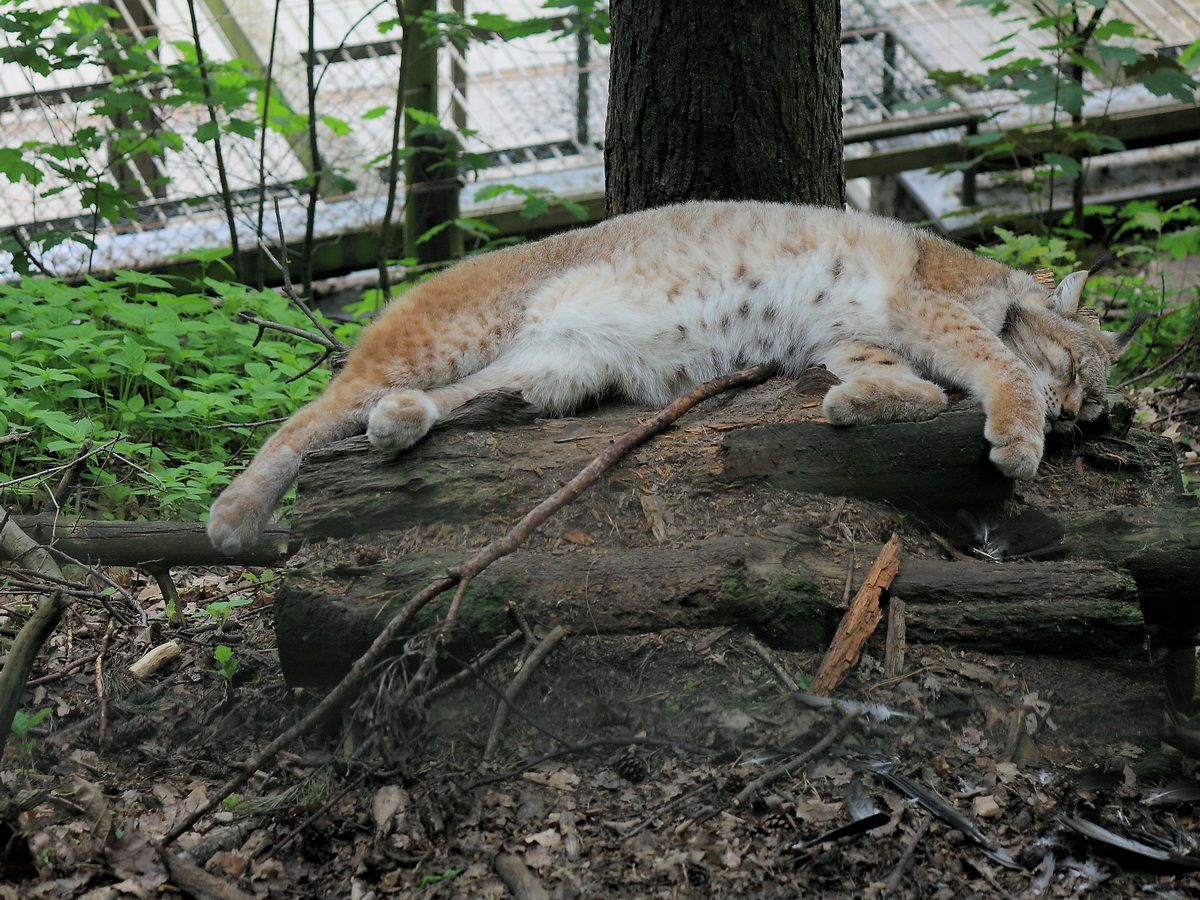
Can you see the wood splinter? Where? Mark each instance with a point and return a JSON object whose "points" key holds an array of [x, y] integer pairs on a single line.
{"points": [[859, 622]]}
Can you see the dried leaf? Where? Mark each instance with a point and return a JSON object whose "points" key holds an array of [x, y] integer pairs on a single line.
{"points": [[578, 537]]}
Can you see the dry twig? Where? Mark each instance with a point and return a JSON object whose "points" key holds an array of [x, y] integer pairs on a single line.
{"points": [[540, 652], [101, 694], [770, 777], [773, 663], [906, 858]]}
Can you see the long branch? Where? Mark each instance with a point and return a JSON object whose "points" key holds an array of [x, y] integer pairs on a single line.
{"points": [[505, 545], [36, 630]]}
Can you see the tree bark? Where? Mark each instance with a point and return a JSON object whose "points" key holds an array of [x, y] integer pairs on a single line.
{"points": [[724, 100]]}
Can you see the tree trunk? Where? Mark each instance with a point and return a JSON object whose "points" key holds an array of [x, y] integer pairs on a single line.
{"points": [[730, 100]]}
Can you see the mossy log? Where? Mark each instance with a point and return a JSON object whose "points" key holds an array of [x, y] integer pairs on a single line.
{"points": [[789, 596], [752, 511]]}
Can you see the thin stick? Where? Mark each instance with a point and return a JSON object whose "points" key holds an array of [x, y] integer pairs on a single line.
{"points": [[70, 477], [906, 858], [474, 668], [101, 695], [773, 663], [801, 759], [540, 652], [264, 324], [667, 807], [659, 422]]}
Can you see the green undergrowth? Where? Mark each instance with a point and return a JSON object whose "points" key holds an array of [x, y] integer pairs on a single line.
{"points": [[155, 384], [1139, 236]]}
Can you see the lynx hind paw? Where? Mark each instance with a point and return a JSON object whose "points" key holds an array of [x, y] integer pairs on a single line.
{"points": [[873, 402], [1018, 460], [401, 419]]}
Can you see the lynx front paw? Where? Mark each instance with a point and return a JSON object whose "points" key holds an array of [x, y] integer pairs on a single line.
{"points": [[1019, 459], [235, 521], [401, 419]]}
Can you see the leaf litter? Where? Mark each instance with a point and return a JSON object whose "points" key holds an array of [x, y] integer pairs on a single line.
{"points": [[1004, 776]]}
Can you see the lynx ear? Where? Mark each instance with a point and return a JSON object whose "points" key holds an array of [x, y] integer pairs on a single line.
{"points": [[1065, 299]]}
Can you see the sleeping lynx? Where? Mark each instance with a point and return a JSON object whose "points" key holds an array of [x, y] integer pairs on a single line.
{"points": [[649, 304]]}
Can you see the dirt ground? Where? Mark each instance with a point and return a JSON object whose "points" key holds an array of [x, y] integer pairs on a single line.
{"points": [[673, 764], [621, 773]]}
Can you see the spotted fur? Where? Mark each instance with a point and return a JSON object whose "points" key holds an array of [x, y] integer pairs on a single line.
{"points": [[649, 304]]}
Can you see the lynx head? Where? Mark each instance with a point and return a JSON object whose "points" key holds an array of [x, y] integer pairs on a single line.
{"points": [[1068, 353]]}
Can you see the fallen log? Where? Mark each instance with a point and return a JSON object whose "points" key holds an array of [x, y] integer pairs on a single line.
{"points": [[776, 587], [149, 545], [460, 476], [737, 516]]}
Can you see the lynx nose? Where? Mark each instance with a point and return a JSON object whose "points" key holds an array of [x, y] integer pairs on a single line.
{"points": [[1065, 415]]}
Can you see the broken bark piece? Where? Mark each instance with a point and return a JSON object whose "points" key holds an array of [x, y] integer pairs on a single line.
{"points": [[518, 879], [155, 659], [893, 648], [859, 623]]}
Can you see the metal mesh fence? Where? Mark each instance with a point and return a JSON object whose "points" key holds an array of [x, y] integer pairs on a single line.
{"points": [[534, 108]]}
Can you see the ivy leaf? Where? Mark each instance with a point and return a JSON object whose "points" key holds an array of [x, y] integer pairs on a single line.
{"points": [[337, 126], [1114, 28], [1126, 56], [1098, 141], [1163, 76], [509, 29], [1068, 166], [15, 167], [243, 128], [207, 131]]}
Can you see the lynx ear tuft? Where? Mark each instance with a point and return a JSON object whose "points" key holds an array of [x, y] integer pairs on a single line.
{"points": [[1119, 340], [1065, 299]]}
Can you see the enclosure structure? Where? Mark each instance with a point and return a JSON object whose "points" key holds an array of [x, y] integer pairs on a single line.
{"points": [[533, 109]]}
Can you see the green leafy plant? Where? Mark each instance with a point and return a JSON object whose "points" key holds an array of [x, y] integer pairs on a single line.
{"points": [[226, 662], [22, 724], [163, 385], [430, 880], [221, 609], [139, 100], [1080, 44]]}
